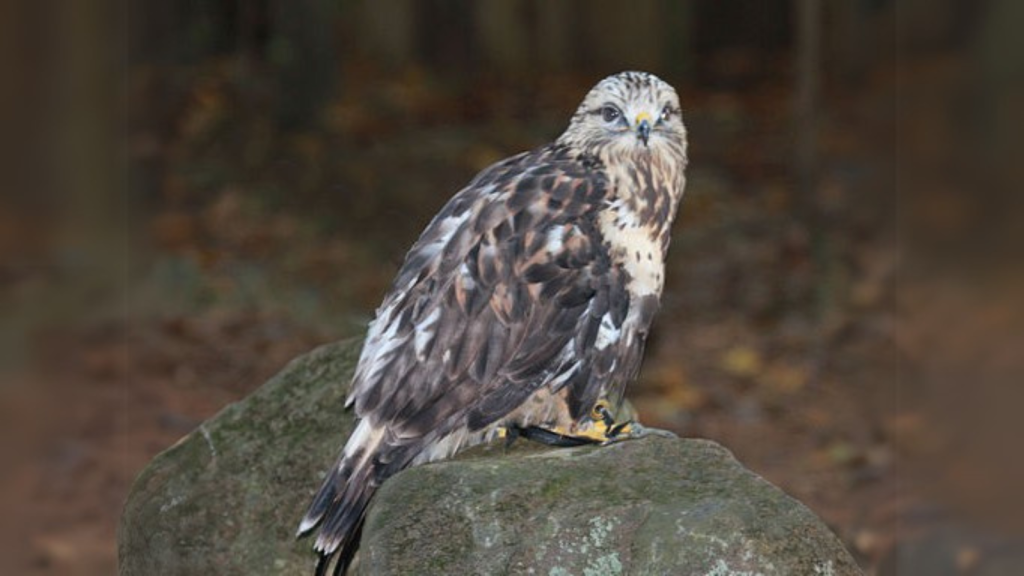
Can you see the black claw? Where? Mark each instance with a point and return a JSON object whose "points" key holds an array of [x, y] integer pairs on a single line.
{"points": [[617, 429], [512, 434], [550, 438], [606, 417]]}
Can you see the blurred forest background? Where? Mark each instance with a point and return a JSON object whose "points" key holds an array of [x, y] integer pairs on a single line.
{"points": [[196, 192]]}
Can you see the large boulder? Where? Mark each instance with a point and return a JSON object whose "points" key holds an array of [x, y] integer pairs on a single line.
{"points": [[652, 506], [227, 498]]}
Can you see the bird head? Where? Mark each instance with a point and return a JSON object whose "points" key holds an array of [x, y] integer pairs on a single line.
{"points": [[629, 115]]}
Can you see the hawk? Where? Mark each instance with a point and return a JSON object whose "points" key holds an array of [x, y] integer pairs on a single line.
{"points": [[523, 308]]}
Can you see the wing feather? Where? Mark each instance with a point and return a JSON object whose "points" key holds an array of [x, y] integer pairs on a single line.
{"points": [[505, 290]]}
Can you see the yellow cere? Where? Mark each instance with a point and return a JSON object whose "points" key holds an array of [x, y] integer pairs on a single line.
{"points": [[642, 116]]}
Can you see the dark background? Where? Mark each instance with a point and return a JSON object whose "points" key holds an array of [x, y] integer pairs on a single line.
{"points": [[196, 192]]}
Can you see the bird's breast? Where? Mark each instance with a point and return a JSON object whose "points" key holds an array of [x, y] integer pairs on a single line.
{"points": [[635, 246]]}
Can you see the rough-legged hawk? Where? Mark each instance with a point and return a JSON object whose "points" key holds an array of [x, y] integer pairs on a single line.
{"points": [[523, 308]]}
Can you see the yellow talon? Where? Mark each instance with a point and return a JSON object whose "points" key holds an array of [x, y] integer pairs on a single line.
{"points": [[600, 427]]}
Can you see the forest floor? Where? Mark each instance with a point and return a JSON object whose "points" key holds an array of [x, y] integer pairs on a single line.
{"points": [[778, 336]]}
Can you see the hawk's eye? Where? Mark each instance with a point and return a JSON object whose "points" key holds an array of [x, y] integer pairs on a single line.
{"points": [[610, 113], [666, 113]]}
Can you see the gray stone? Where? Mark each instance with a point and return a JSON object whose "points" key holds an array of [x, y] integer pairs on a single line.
{"points": [[651, 506], [226, 500]]}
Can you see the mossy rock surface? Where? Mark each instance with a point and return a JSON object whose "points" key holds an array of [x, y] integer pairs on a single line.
{"points": [[652, 506], [227, 498]]}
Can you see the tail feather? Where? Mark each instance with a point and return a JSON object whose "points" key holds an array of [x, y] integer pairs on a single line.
{"points": [[341, 560], [327, 493], [341, 502], [338, 509], [323, 564], [346, 511]]}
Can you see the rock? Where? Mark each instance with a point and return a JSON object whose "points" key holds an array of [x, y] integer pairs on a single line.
{"points": [[227, 498], [651, 506]]}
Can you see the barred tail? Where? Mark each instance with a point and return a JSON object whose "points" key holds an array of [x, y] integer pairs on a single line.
{"points": [[370, 457], [340, 508], [340, 505]]}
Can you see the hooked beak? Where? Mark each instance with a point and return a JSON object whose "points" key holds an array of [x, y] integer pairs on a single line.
{"points": [[643, 127]]}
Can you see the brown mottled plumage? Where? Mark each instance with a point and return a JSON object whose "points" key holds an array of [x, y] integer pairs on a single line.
{"points": [[525, 302]]}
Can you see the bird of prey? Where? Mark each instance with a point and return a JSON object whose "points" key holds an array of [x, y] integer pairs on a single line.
{"points": [[523, 308]]}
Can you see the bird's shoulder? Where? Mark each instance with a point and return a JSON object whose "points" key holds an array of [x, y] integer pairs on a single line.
{"points": [[522, 205]]}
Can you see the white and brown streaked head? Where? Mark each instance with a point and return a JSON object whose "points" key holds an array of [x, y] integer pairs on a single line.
{"points": [[629, 116]]}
